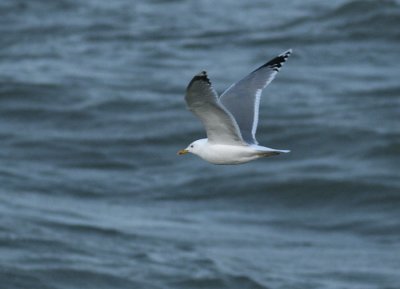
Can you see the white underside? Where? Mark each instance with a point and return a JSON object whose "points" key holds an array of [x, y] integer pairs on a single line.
{"points": [[222, 154]]}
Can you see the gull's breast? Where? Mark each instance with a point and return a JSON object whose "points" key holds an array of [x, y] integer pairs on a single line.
{"points": [[220, 154]]}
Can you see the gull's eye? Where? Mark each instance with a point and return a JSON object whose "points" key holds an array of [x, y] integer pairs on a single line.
{"points": [[191, 146]]}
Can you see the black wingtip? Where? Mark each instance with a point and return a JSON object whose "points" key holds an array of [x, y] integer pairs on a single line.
{"points": [[202, 76], [277, 62]]}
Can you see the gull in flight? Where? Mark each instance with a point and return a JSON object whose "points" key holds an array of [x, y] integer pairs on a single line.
{"points": [[231, 120]]}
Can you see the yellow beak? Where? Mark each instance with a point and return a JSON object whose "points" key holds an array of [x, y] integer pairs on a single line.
{"points": [[183, 152]]}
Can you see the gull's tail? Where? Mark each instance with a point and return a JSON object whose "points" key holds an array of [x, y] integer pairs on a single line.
{"points": [[283, 151], [266, 152]]}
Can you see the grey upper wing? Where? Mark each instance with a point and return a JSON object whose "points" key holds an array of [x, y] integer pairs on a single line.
{"points": [[203, 101], [242, 99]]}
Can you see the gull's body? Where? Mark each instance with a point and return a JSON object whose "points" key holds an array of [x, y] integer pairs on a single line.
{"points": [[231, 119], [223, 154]]}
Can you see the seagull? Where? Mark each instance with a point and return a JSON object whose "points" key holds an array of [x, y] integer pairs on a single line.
{"points": [[231, 120]]}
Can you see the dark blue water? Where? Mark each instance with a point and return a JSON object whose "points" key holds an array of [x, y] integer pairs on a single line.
{"points": [[92, 192]]}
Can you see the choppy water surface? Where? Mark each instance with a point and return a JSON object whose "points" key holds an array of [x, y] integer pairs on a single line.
{"points": [[93, 195]]}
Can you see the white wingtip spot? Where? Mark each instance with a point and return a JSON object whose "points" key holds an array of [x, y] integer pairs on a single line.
{"points": [[202, 73], [286, 54]]}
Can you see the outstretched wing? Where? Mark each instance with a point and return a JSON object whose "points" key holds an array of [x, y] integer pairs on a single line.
{"points": [[202, 100], [242, 99]]}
